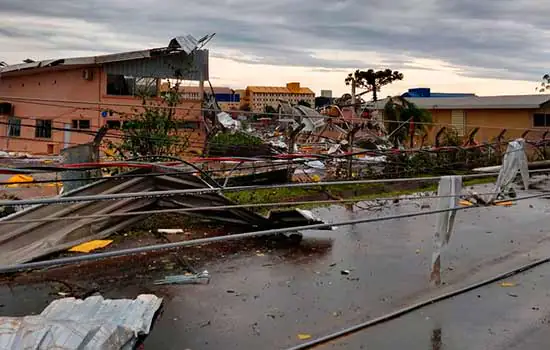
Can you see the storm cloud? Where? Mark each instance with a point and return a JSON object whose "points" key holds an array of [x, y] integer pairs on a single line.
{"points": [[491, 38]]}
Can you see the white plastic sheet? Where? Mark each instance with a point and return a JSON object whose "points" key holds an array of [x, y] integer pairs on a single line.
{"points": [[92, 323], [228, 122], [514, 160], [448, 192]]}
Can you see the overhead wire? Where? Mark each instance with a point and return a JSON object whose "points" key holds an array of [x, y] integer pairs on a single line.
{"points": [[198, 191], [64, 103], [202, 241], [236, 206]]}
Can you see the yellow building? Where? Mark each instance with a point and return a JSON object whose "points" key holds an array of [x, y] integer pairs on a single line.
{"points": [[226, 98], [258, 97], [518, 115]]}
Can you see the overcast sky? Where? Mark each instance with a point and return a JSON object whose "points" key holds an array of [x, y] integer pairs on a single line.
{"points": [[483, 46]]}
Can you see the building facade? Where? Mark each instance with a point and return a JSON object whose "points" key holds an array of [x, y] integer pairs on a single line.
{"points": [[259, 97], [227, 98], [491, 115], [50, 105]]}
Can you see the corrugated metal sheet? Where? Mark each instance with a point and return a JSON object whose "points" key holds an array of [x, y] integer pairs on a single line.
{"points": [[159, 61], [92, 323], [185, 42], [171, 66], [477, 102]]}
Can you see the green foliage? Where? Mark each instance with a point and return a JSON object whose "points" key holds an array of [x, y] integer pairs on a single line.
{"points": [[545, 83], [152, 129], [235, 139], [372, 80], [398, 113], [451, 138], [237, 144]]}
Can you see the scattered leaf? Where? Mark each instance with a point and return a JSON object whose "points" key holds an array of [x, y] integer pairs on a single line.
{"points": [[260, 254], [304, 336], [507, 284]]}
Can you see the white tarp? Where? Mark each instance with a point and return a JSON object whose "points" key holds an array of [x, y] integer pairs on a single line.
{"points": [[92, 323], [448, 192], [228, 122], [514, 160]]}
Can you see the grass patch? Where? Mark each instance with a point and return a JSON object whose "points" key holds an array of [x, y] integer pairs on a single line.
{"points": [[361, 192]]}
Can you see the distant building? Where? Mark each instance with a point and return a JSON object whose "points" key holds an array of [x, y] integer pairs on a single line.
{"points": [[491, 114], [326, 93], [258, 97], [426, 92], [227, 98]]}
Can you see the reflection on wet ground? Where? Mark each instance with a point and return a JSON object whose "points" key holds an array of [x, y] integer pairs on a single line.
{"points": [[493, 317], [262, 295]]}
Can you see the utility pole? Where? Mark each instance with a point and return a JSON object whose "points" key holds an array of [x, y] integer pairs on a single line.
{"points": [[292, 135], [350, 137]]}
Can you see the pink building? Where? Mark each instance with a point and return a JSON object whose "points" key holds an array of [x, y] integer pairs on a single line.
{"points": [[49, 105]]}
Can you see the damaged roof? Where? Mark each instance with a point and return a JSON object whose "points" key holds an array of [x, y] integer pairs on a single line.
{"points": [[177, 47]]}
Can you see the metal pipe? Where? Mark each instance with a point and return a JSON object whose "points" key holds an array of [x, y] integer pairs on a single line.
{"points": [[201, 241], [414, 307], [222, 207], [171, 193]]}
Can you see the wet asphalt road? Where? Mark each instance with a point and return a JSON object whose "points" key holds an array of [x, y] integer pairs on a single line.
{"points": [[492, 317], [265, 299]]}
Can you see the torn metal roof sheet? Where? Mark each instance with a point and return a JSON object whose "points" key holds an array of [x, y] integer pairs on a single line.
{"points": [[189, 45], [92, 323], [28, 237]]}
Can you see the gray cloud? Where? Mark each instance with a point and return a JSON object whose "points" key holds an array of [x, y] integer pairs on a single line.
{"points": [[491, 38]]}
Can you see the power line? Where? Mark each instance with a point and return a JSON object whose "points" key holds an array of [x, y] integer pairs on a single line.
{"points": [[232, 206], [63, 103], [171, 193], [201, 241]]}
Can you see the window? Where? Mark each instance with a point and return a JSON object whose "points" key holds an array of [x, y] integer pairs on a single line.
{"points": [[81, 124], [113, 124], [14, 126], [541, 120], [122, 85], [458, 121], [43, 128]]}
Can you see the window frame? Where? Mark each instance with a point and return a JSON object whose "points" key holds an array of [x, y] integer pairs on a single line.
{"points": [[46, 129], [17, 128], [108, 122], [77, 124], [546, 119]]}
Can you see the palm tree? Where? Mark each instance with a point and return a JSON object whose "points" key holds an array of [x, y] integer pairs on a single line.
{"points": [[399, 114]]}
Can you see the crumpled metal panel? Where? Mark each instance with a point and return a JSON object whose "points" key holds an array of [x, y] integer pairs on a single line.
{"points": [[172, 66], [514, 161], [185, 42], [92, 323]]}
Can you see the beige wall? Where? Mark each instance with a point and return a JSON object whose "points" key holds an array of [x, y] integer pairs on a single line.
{"points": [[491, 123], [67, 85]]}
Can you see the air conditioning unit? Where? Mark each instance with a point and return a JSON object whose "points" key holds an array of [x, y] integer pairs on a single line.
{"points": [[6, 108], [88, 74]]}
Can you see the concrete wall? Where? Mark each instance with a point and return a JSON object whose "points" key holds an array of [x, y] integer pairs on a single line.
{"points": [[67, 85]]}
